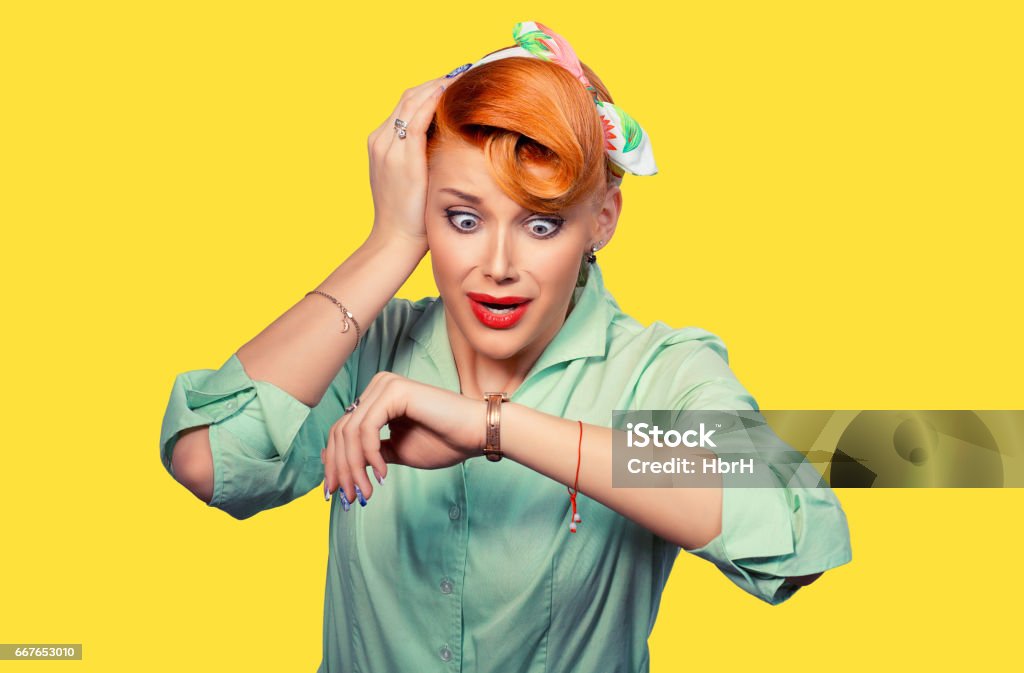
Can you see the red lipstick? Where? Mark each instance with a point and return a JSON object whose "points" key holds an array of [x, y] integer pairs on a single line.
{"points": [[497, 312]]}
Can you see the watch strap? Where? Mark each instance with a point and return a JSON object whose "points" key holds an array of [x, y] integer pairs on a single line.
{"points": [[492, 446]]}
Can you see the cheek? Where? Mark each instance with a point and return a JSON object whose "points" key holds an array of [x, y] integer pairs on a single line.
{"points": [[556, 263], [447, 260]]}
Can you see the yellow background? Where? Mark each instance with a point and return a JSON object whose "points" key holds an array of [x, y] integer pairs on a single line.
{"points": [[839, 199]]}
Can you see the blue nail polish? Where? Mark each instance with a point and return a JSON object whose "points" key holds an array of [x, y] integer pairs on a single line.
{"points": [[344, 501], [460, 69], [362, 500]]}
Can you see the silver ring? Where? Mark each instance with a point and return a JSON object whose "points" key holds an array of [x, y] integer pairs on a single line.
{"points": [[352, 407], [400, 127]]}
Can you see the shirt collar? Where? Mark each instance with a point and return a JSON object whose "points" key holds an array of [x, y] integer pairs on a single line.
{"points": [[583, 334]]}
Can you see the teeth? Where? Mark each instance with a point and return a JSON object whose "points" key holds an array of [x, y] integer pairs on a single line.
{"points": [[500, 311]]}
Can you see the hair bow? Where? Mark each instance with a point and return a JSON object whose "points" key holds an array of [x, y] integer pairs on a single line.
{"points": [[627, 144]]}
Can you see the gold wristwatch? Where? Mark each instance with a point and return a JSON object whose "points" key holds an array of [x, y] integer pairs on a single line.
{"points": [[492, 448]]}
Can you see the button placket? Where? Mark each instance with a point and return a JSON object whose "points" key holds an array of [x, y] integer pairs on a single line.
{"points": [[454, 561]]}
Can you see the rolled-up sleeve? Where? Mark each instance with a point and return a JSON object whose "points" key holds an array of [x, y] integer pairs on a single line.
{"points": [[797, 526], [769, 534], [265, 443]]}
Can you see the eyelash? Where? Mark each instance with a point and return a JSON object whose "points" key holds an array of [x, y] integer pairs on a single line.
{"points": [[451, 214]]}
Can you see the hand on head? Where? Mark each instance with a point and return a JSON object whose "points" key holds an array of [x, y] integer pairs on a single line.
{"points": [[398, 165]]}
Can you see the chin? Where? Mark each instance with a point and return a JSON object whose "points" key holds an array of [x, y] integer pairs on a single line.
{"points": [[497, 345]]}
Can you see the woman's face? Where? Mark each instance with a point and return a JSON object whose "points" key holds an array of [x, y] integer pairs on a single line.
{"points": [[487, 250]]}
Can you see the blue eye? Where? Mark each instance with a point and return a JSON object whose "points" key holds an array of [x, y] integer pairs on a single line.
{"points": [[545, 228], [453, 216]]}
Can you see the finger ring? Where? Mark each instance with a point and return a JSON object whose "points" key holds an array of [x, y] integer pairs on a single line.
{"points": [[352, 407], [400, 127]]}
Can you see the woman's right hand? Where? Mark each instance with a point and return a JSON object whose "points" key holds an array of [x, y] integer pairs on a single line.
{"points": [[398, 167]]}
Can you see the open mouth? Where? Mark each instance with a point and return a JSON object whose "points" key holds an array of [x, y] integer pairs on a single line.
{"points": [[500, 309], [498, 312]]}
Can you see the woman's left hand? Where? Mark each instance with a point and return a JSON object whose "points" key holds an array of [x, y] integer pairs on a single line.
{"points": [[430, 428]]}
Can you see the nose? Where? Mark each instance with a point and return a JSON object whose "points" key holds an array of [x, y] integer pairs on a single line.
{"points": [[499, 264]]}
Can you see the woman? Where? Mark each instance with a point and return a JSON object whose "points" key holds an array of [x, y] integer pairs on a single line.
{"points": [[509, 172]]}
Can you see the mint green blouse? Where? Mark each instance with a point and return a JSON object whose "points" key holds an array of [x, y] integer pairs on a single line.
{"points": [[472, 567]]}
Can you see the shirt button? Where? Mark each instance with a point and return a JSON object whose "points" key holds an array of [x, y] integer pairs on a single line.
{"points": [[445, 653], [231, 405], [446, 586], [455, 512]]}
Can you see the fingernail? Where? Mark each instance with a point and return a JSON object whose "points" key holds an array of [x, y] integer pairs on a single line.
{"points": [[380, 479], [359, 494], [344, 501], [327, 496], [460, 69]]}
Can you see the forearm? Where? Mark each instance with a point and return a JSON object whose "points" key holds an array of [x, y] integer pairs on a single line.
{"points": [[192, 462], [688, 517], [303, 350]]}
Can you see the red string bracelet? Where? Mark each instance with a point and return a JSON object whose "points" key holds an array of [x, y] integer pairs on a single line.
{"points": [[575, 489]]}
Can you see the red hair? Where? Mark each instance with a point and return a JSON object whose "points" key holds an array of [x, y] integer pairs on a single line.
{"points": [[526, 111]]}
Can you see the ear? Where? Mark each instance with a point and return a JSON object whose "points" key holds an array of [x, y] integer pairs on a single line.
{"points": [[608, 215]]}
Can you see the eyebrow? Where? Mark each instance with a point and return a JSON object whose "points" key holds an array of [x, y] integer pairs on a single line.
{"points": [[475, 200]]}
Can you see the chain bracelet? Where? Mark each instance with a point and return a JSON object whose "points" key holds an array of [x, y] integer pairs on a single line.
{"points": [[346, 315]]}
